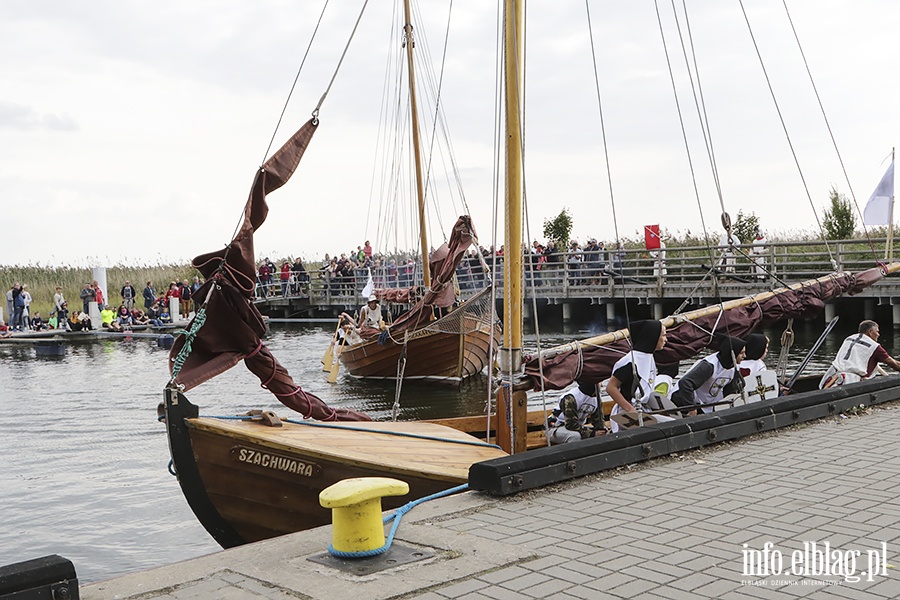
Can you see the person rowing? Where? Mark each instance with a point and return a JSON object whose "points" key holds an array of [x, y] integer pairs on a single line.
{"points": [[858, 357], [712, 378]]}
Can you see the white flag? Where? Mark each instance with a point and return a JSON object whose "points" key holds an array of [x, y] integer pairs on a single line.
{"points": [[370, 286], [878, 208]]}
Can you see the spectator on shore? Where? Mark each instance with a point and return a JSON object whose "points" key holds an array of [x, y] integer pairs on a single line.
{"points": [[164, 316], [26, 313], [149, 295], [88, 294], [128, 294], [18, 308], [98, 295], [184, 290], [108, 318], [58, 300], [62, 317], [123, 318], [37, 323], [80, 321], [153, 315]]}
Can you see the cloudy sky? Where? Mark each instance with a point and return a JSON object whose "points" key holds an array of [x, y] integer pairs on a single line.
{"points": [[131, 131]]}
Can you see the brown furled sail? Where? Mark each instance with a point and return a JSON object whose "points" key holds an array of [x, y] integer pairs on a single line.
{"points": [[234, 327], [592, 360], [443, 263]]}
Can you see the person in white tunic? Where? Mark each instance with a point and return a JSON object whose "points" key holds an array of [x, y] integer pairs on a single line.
{"points": [[756, 349], [858, 357], [634, 375], [712, 378], [578, 417]]}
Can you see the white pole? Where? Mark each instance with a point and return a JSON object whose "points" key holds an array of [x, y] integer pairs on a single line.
{"points": [[98, 274]]}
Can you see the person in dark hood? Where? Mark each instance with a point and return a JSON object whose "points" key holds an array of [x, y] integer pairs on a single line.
{"points": [[579, 416], [757, 347], [713, 377], [634, 375]]}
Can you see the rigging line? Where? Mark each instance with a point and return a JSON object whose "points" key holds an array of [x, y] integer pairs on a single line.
{"points": [[423, 58], [440, 118], [382, 142], [286, 102], [687, 145], [296, 77], [704, 119], [343, 54], [830, 132], [606, 152], [684, 133], [787, 135], [495, 192]]}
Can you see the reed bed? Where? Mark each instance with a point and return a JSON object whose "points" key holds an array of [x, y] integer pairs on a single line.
{"points": [[42, 282]]}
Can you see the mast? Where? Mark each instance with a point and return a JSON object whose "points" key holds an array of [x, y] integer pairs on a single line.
{"points": [[890, 241], [414, 115], [511, 399]]}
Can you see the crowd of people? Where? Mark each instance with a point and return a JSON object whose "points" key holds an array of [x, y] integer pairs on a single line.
{"points": [[156, 309]]}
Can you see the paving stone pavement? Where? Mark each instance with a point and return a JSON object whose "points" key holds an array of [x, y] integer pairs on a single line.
{"points": [[681, 527]]}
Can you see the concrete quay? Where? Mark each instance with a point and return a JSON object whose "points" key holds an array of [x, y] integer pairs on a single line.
{"points": [[674, 528]]}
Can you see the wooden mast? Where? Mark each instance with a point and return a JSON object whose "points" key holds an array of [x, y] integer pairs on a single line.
{"points": [[511, 398], [414, 115]]}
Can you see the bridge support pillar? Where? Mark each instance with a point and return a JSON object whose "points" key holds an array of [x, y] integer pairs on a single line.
{"points": [[526, 311], [869, 308], [830, 311], [895, 309], [610, 312], [567, 312], [658, 311]]}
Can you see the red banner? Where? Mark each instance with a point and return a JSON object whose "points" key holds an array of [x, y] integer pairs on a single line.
{"points": [[651, 236]]}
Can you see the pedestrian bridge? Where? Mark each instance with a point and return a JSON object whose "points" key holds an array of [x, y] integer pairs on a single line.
{"points": [[660, 280]]}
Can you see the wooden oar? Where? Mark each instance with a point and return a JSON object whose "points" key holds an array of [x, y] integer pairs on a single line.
{"points": [[336, 363], [812, 351], [328, 358]]}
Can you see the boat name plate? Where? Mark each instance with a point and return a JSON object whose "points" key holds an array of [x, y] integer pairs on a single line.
{"points": [[275, 462]]}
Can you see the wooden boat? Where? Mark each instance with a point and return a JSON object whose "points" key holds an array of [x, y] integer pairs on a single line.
{"points": [[251, 479], [418, 347], [430, 355], [248, 480]]}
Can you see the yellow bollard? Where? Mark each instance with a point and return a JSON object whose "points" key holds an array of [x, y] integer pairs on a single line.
{"points": [[356, 523]]}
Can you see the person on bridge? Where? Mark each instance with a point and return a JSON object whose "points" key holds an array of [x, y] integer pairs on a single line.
{"points": [[858, 357], [713, 377]]}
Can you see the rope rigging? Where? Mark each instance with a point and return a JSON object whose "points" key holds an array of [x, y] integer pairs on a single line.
{"points": [[787, 135], [830, 132]]}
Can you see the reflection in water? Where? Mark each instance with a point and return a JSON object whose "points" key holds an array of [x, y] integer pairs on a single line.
{"points": [[85, 459]]}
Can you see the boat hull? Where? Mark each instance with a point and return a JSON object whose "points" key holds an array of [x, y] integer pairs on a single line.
{"points": [[430, 356], [247, 481]]}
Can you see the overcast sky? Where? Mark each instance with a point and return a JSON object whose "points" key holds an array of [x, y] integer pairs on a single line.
{"points": [[131, 131]]}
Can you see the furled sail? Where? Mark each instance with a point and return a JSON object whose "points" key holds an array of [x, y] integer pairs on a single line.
{"points": [[688, 334], [234, 327], [443, 263]]}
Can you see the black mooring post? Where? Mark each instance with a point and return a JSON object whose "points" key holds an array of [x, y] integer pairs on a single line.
{"points": [[46, 578]]}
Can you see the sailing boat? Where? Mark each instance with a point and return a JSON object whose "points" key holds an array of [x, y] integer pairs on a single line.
{"points": [[259, 476], [416, 346]]}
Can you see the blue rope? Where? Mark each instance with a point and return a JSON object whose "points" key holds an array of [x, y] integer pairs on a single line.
{"points": [[328, 425], [395, 517]]}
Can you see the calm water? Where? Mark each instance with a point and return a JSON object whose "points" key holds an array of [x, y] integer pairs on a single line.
{"points": [[84, 458]]}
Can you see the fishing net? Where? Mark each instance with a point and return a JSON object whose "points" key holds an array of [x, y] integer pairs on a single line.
{"points": [[472, 315]]}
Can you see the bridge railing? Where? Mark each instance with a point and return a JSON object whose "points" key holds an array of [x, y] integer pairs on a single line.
{"points": [[616, 273]]}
